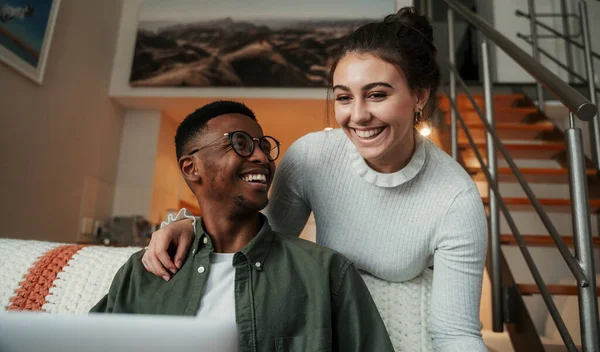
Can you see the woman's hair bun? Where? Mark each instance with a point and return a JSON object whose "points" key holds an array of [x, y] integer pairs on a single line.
{"points": [[407, 17]]}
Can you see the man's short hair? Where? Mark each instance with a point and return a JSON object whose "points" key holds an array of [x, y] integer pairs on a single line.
{"points": [[195, 123]]}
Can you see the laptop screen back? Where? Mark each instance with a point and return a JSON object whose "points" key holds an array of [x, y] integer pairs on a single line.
{"points": [[30, 332]]}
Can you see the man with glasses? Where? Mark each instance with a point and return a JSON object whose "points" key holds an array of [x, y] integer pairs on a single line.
{"points": [[282, 293]]}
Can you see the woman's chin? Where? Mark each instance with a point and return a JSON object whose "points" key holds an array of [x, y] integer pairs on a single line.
{"points": [[370, 154]]}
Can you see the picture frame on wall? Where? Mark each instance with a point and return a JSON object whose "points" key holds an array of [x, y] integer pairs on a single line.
{"points": [[26, 29], [238, 43]]}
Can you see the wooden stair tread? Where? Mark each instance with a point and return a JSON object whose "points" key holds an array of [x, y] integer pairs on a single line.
{"points": [[531, 171], [541, 151], [539, 126], [543, 201], [564, 290], [544, 131], [543, 240], [549, 205], [532, 175], [498, 109], [500, 100], [470, 114], [501, 114], [498, 97], [508, 96], [557, 146]]}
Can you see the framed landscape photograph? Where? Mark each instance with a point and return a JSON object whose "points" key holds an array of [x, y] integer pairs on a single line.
{"points": [[262, 43], [26, 28]]}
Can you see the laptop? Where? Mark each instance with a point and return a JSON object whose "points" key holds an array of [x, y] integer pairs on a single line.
{"points": [[33, 331]]}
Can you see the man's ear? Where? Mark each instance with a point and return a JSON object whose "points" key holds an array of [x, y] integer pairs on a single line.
{"points": [[188, 169]]}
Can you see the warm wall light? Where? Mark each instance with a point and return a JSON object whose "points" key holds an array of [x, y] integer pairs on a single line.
{"points": [[425, 131], [328, 128]]}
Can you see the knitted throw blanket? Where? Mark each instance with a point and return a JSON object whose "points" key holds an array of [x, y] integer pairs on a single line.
{"points": [[68, 278], [55, 277]]}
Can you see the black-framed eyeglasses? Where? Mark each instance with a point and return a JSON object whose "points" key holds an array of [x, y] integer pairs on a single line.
{"points": [[243, 144]]}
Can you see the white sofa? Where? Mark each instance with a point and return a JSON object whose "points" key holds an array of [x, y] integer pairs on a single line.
{"points": [[69, 278]]}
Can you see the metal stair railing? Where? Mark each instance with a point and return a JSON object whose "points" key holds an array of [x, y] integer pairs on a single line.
{"points": [[582, 264], [589, 55]]}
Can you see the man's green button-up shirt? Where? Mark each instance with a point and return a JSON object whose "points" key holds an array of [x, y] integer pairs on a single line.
{"points": [[290, 295]]}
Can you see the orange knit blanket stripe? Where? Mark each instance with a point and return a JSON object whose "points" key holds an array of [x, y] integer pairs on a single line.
{"points": [[32, 291]]}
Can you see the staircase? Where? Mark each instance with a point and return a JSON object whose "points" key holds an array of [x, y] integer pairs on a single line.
{"points": [[537, 147]]}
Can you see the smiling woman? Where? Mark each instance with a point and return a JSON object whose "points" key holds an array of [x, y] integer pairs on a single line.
{"points": [[381, 194], [375, 107]]}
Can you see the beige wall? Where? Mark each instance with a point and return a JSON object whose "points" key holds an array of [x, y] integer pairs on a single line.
{"points": [[56, 137], [139, 140], [148, 179]]}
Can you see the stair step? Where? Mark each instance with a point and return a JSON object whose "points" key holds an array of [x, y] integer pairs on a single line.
{"points": [[501, 114], [543, 240], [501, 342], [510, 100], [533, 175], [546, 150], [545, 131], [550, 205], [500, 100], [559, 290]]}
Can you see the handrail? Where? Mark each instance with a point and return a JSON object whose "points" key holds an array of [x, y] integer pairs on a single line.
{"points": [[571, 98], [586, 46], [554, 313]]}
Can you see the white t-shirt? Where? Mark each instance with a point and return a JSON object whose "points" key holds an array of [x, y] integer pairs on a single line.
{"points": [[218, 300]]}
